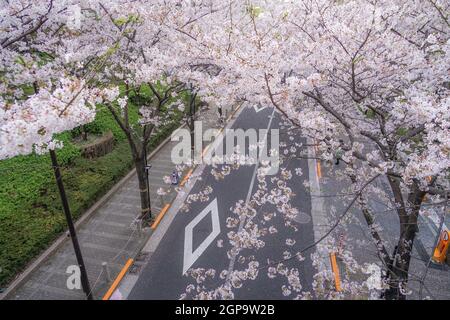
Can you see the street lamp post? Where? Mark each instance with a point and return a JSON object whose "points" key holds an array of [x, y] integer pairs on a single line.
{"points": [[72, 231]]}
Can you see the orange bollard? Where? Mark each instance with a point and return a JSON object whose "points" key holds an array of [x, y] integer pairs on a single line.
{"points": [[440, 252]]}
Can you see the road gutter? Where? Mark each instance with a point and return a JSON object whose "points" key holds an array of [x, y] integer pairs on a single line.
{"points": [[318, 214]]}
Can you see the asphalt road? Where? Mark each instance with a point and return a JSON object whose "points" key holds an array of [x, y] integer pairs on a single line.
{"points": [[162, 277]]}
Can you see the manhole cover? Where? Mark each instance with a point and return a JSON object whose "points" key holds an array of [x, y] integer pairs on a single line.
{"points": [[302, 218]]}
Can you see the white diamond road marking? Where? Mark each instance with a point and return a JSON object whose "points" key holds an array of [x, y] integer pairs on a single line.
{"points": [[258, 109], [189, 256]]}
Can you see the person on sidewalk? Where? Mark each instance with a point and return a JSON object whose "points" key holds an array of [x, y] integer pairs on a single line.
{"points": [[221, 120], [339, 152], [175, 178]]}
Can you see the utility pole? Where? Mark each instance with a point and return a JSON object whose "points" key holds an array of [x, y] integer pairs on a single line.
{"points": [[73, 235]]}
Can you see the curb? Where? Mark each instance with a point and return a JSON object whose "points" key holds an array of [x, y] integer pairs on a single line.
{"points": [[318, 214], [43, 257]]}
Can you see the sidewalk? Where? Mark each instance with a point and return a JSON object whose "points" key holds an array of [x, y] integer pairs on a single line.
{"points": [[108, 236]]}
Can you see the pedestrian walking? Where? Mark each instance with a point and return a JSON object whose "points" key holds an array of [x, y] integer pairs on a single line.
{"points": [[339, 152], [175, 178], [220, 115]]}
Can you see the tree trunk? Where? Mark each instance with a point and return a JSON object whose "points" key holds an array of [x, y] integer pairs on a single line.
{"points": [[192, 130], [191, 122], [84, 133], [398, 273], [143, 189]]}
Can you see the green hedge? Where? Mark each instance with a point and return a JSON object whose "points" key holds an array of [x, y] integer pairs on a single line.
{"points": [[30, 209]]}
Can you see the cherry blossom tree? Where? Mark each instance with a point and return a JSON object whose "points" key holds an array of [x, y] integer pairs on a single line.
{"points": [[130, 44], [367, 78], [366, 81], [154, 53], [35, 90], [39, 96]]}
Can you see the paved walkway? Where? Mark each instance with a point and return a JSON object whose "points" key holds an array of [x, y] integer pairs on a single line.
{"points": [[109, 236]]}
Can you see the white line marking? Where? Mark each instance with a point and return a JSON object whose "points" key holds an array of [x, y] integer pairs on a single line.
{"points": [[189, 256], [249, 193], [259, 109]]}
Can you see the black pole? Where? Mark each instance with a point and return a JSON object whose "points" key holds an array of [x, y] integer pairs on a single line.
{"points": [[191, 124], [73, 235], [192, 119]]}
